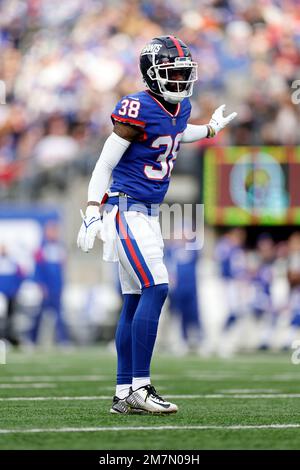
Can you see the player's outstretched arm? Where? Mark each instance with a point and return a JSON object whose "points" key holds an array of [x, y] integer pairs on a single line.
{"points": [[218, 121]]}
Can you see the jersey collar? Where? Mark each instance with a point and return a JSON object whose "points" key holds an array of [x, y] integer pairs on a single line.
{"points": [[162, 106]]}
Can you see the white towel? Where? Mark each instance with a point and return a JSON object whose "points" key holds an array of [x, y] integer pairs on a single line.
{"points": [[109, 236]]}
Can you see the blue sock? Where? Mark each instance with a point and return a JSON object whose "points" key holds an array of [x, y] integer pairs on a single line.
{"points": [[124, 339], [144, 328]]}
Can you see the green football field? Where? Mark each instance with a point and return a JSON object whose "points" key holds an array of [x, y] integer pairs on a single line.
{"points": [[61, 400]]}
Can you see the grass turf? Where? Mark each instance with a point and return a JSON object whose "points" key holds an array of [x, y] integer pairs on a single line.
{"points": [[75, 374]]}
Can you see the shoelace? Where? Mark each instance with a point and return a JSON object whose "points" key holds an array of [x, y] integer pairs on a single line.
{"points": [[151, 391]]}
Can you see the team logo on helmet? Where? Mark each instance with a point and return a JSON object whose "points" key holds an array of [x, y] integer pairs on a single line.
{"points": [[151, 48]]}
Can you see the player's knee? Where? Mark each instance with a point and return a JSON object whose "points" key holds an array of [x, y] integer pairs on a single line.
{"points": [[160, 291], [152, 300], [163, 290]]}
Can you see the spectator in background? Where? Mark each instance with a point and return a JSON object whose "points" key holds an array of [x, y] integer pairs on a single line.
{"points": [[183, 290], [49, 274], [11, 278], [262, 304], [71, 62], [54, 156], [56, 148], [293, 273], [231, 258]]}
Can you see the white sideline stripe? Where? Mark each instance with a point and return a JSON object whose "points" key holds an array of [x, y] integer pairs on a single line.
{"points": [[234, 427], [55, 378], [211, 377], [248, 390], [27, 385], [237, 395], [203, 377], [67, 378], [183, 397], [55, 398], [277, 377]]}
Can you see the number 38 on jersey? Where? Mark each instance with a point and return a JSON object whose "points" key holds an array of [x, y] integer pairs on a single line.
{"points": [[165, 159]]}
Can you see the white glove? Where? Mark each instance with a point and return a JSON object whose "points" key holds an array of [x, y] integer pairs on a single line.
{"points": [[218, 121], [90, 228]]}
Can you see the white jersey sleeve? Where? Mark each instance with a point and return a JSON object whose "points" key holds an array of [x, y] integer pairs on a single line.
{"points": [[112, 152]]}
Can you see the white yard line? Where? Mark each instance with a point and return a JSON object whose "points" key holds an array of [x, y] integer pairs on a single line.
{"points": [[212, 376], [237, 395], [96, 378], [202, 377], [242, 376], [55, 398], [70, 378], [55, 378], [248, 390], [27, 385], [183, 397], [277, 377], [236, 427]]}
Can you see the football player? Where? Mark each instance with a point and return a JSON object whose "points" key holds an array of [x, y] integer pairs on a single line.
{"points": [[231, 256], [293, 275], [139, 155]]}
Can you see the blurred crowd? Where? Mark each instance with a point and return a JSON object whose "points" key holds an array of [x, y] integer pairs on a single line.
{"points": [[259, 286], [66, 64], [38, 305], [261, 283], [45, 270]]}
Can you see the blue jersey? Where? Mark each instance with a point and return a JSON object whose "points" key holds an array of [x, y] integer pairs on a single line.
{"points": [[145, 168], [11, 276], [231, 259], [182, 267], [49, 268], [263, 278]]}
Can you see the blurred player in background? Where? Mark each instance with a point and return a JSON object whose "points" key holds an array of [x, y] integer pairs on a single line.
{"points": [[230, 255], [262, 304], [11, 278], [49, 274], [183, 292], [140, 154], [293, 273]]}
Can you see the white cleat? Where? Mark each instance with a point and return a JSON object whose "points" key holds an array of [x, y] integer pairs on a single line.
{"points": [[146, 398], [119, 406]]}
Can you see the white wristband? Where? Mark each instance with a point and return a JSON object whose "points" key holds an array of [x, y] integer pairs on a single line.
{"points": [[92, 211]]}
